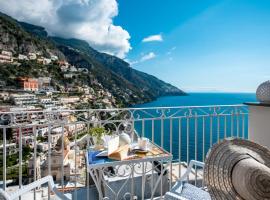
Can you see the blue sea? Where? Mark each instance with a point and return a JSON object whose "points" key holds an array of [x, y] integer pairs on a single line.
{"points": [[196, 134]]}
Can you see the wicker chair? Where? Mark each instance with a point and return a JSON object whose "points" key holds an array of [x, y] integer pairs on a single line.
{"points": [[182, 190]]}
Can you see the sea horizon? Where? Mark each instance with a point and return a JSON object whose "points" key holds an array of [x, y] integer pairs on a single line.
{"points": [[201, 99]]}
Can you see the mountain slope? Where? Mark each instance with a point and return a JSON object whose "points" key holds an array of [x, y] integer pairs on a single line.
{"points": [[144, 81]]}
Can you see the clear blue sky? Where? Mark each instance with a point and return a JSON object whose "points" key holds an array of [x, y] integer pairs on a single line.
{"points": [[207, 45]]}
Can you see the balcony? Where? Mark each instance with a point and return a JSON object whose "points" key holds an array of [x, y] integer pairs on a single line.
{"points": [[36, 144]]}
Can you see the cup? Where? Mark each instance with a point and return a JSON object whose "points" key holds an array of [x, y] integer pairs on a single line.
{"points": [[143, 143]]}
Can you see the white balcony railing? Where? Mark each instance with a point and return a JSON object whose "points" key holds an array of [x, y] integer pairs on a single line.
{"points": [[29, 139]]}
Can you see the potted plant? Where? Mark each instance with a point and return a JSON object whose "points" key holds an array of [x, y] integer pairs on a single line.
{"points": [[97, 133]]}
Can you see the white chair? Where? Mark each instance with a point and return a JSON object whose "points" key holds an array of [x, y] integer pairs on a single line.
{"points": [[31, 186], [185, 191]]}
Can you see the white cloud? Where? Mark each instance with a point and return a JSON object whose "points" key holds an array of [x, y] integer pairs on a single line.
{"points": [[171, 50], [143, 58], [148, 56], [90, 20], [153, 38]]}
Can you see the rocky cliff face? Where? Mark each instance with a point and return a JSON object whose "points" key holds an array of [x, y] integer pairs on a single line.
{"points": [[16, 39]]}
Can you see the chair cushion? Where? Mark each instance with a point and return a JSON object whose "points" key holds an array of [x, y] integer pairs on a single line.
{"points": [[185, 191]]}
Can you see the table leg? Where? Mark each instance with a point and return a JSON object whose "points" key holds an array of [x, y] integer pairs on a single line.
{"points": [[160, 178], [132, 181], [143, 180]]}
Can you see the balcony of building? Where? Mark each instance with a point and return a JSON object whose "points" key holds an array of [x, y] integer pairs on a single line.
{"points": [[39, 143]]}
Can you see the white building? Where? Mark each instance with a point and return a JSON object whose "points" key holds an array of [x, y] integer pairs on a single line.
{"points": [[32, 165], [10, 149], [4, 96], [32, 56], [66, 100], [24, 99], [44, 82], [28, 141], [72, 69], [54, 57], [6, 57], [22, 57], [42, 131], [7, 53], [47, 100], [54, 138], [47, 61], [43, 146], [69, 75], [84, 70], [73, 128], [64, 68]]}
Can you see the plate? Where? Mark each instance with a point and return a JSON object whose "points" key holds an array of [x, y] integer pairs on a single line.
{"points": [[137, 150]]}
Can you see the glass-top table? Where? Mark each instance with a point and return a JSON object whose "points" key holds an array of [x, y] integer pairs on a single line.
{"points": [[138, 176]]}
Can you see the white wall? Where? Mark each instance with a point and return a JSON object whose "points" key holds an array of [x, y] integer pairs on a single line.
{"points": [[259, 125]]}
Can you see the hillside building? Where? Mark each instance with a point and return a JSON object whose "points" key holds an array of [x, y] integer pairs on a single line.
{"points": [[6, 57], [32, 56], [28, 84], [22, 57], [11, 149], [44, 82], [70, 158], [24, 99]]}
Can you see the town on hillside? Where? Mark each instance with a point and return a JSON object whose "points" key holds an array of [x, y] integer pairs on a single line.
{"points": [[37, 95]]}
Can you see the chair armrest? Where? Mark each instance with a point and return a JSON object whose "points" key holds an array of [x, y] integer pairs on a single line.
{"points": [[172, 196], [192, 163], [31, 186]]}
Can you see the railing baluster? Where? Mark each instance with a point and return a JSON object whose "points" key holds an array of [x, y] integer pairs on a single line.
{"points": [[87, 174], [35, 157], [225, 126], [49, 155], [187, 140], [162, 131], [237, 125], [171, 132], [143, 179], [62, 163], [211, 130], [153, 130], [143, 124], [161, 181], [218, 127], [196, 148], [76, 161], [179, 144], [232, 124], [20, 158], [243, 126], [203, 143], [4, 158]]}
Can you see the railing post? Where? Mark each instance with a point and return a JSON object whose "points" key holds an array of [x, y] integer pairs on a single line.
{"points": [[258, 125]]}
